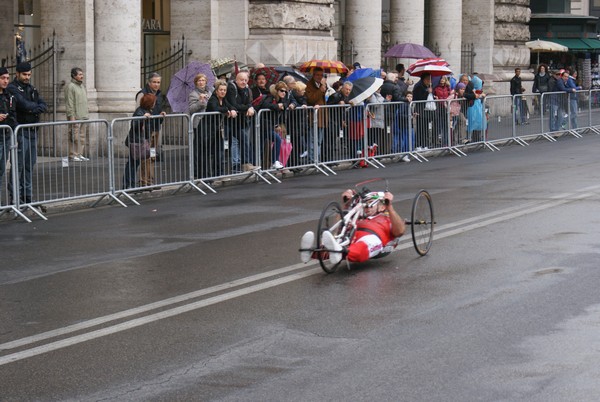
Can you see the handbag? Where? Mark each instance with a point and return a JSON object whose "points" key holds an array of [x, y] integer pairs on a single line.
{"points": [[139, 150], [430, 104]]}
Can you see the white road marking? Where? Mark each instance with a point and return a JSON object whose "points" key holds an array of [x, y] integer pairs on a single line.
{"points": [[446, 231]]}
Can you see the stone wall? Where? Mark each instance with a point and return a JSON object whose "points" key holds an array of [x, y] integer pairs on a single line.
{"points": [[290, 31], [511, 19], [297, 15]]}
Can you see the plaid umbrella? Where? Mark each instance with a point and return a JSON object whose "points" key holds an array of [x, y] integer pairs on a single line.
{"points": [[409, 51], [270, 74], [328, 66], [182, 83]]}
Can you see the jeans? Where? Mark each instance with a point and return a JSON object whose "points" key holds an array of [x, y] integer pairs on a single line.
{"points": [[129, 178], [312, 156], [242, 134], [26, 159], [276, 138], [573, 113], [555, 117]]}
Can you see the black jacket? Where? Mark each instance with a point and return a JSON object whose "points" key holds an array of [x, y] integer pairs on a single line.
{"points": [[8, 105], [29, 102], [389, 88], [240, 100], [159, 107], [515, 86], [140, 129]]}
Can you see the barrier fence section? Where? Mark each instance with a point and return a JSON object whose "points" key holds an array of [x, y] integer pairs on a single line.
{"points": [[282, 138], [150, 152], [8, 178], [61, 161]]}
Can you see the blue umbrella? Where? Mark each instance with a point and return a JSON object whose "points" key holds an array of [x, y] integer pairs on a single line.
{"points": [[362, 73]]}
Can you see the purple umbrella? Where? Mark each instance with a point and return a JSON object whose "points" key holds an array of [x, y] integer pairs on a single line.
{"points": [[182, 83], [409, 51]]}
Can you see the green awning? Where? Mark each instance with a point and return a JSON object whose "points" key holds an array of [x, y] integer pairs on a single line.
{"points": [[576, 44]]}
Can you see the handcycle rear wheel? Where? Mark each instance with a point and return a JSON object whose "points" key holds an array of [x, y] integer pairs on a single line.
{"points": [[332, 220], [422, 221]]}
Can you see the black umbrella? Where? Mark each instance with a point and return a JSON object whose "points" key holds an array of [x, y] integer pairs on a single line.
{"points": [[362, 88], [286, 70]]}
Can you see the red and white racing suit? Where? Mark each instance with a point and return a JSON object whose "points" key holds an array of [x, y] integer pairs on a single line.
{"points": [[372, 234]]}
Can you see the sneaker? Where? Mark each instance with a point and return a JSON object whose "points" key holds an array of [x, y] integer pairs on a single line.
{"points": [[405, 158], [334, 248], [304, 154], [307, 243], [277, 165], [418, 149], [83, 158], [75, 159]]}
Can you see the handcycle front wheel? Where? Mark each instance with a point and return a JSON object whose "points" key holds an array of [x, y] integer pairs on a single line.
{"points": [[422, 221], [332, 220]]}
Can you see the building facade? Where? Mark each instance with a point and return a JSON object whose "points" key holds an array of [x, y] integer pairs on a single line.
{"points": [[109, 39]]}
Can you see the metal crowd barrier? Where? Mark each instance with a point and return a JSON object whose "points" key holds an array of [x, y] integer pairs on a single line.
{"points": [[61, 161], [8, 176], [151, 152]]}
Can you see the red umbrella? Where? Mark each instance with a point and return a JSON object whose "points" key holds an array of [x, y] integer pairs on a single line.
{"points": [[328, 66], [432, 69], [436, 61]]}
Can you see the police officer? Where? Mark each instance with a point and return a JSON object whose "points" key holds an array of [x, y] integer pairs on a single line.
{"points": [[29, 106], [8, 117]]}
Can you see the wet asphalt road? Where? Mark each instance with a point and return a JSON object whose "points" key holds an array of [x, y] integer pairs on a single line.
{"points": [[193, 297]]}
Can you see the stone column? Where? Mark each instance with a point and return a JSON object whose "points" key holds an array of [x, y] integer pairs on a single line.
{"points": [[200, 28], [445, 30], [478, 29], [7, 30], [117, 35], [407, 21], [407, 25], [363, 29], [75, 42]]}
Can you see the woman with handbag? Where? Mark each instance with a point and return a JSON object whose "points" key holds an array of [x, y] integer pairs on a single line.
{"points": [[138, 140]]}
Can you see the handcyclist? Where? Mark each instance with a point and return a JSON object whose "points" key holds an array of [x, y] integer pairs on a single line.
{"points": [[380, 226]]}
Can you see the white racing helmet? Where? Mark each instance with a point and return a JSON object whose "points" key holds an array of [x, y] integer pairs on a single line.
{"points": [[374, 197]]}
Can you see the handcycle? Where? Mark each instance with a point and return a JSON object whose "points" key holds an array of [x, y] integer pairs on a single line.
{"points": [[342, 224]]}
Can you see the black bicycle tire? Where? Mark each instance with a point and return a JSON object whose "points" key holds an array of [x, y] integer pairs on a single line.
{"points": [[322, 226], [422, 236]]}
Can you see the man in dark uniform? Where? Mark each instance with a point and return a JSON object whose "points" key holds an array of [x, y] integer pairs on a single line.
{"points": [[29, 106], [8, 117]]}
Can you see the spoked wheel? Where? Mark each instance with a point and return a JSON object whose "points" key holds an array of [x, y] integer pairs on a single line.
{"points": [[331, 219], [422, 221]]}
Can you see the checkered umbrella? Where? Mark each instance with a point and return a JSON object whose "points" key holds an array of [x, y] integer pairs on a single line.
{"points": [[328, 66], [270, 74]]}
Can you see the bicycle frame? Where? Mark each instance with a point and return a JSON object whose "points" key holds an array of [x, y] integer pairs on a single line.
{"points": [[349, 222]]}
